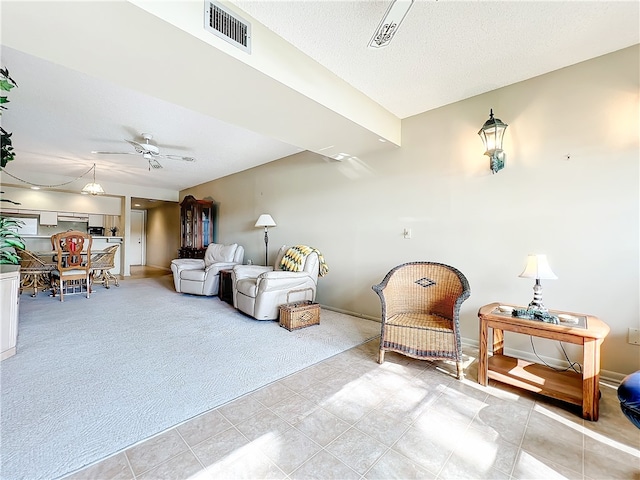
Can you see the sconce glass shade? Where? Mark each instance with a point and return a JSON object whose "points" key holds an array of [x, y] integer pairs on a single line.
{"points": [[265, 220], [492, 133]]}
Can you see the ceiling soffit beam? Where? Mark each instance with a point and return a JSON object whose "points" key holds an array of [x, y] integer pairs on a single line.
{"points": [[120, 42]]}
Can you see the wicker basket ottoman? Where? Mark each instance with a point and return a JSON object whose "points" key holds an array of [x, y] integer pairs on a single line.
{"points": [[299, 315]]}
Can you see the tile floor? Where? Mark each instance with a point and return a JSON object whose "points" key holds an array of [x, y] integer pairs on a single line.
{"points": [[350, 418]]}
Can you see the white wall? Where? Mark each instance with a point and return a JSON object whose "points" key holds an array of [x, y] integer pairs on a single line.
{"points": [[583, 212]]}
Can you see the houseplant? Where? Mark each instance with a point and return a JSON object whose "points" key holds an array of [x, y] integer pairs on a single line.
{"points": [[6, 84], [9, 238]]}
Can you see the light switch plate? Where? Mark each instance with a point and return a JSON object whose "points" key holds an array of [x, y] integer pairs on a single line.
{"points": [[634, 336]]}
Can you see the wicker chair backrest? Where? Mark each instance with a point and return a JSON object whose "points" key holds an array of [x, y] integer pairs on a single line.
{"points": [[423, 287]]}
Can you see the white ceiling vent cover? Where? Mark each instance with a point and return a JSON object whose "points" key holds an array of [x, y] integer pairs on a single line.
{"points": [[227, 25]]}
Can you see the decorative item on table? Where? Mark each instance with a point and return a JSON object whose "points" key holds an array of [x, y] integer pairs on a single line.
{"points": [[537, 267], [533, 314], [114, 231]]}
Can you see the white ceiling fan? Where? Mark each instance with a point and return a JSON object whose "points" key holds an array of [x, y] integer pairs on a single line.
{"points": [[149, 152]]}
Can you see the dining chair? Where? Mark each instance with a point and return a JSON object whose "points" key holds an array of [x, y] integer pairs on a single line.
{"points": [[73, 267]]}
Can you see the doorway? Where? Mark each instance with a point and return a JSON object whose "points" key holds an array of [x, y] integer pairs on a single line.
{"points": [[138, 243]]}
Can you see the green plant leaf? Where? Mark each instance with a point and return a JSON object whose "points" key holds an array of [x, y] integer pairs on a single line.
{"points": [[5, 85]]}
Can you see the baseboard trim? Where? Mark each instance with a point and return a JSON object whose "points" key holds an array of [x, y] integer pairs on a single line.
{"points": [[348, 312]]}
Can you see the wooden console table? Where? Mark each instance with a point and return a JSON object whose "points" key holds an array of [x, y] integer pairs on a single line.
{"points": [[568, 386]]}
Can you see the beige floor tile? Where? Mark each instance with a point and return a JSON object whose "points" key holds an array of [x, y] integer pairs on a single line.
{"points": [[612, 422], [324, 466], [533, 467], [322, 392], [112, 468], [394, 466], [264, 424], [607, 458], [239, 410], [349, 410], [482, 455], [156, 450], [427, 444], [249, 464], [221, 447], [454, 470], [289, 450], [357, 450], [299, 381], [322, 426], [272, 394], [460, 404], [294, 408], [180, 467], [410, 402], [554, 438], [382, 427], [203, 426], [506, 420]]}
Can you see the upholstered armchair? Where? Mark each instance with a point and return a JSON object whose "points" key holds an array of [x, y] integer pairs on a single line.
{"points": [[202, 276], [259, 291]]}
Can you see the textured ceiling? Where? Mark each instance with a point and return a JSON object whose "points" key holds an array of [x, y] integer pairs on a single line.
{"points": [[445, 51]]}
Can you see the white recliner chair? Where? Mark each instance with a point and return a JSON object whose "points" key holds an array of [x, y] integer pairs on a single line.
{"points": [[202, 276], [259, 291]]}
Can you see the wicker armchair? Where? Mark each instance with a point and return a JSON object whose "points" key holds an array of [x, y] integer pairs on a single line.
{"points": [[420, 309], [35, 271], [101, 265]]}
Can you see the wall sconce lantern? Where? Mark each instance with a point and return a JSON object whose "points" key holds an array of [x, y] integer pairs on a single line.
{"points": [[491, 133]]}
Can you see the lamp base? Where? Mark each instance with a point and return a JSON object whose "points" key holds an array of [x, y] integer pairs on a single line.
{"points": [[536, 304]]}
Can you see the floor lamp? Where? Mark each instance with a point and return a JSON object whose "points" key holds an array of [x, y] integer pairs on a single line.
{"points": [[265, 220]]}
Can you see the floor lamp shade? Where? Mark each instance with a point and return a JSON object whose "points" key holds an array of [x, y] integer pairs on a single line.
{"points": [[265, 220]]}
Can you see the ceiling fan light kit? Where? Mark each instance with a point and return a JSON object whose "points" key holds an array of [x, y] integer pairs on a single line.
{"points": [[390, 23], [149, 152]]}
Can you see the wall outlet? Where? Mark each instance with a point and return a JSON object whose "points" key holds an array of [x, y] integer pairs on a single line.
{"points": [[634, 336], [407, 233]]}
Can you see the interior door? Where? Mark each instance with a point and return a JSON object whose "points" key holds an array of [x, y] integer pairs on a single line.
{"points": [[137, 243]]}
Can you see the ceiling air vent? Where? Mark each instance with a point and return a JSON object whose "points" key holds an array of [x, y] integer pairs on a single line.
{"points": [[227, 25]]}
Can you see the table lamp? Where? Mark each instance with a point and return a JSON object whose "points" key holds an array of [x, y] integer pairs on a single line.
{"points": [[537, 267], [265, 220]]}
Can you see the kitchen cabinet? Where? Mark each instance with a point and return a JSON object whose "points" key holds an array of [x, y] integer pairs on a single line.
{"points": [[9, 294], [196, 227], [48, 218], [96, 220]]}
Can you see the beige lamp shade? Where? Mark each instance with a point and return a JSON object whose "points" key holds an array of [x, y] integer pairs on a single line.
{"points": [[537, 267], [265, 220]]}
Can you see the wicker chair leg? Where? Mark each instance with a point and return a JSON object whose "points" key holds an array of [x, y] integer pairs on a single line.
{"points": [[460, 370], [381, 356]]}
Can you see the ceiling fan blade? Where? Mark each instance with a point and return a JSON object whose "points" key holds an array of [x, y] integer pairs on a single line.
{"points": [[178, 157], [114, 153], [138, 146]]}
